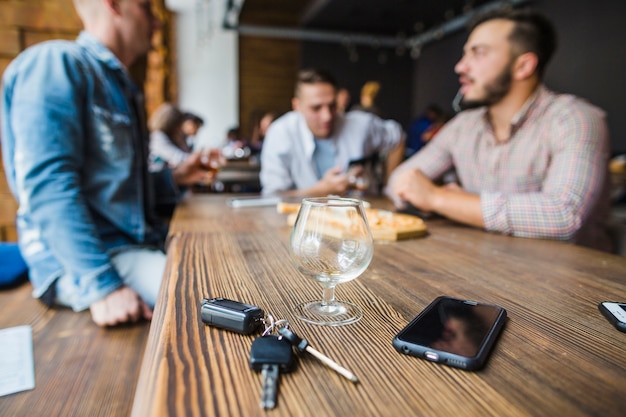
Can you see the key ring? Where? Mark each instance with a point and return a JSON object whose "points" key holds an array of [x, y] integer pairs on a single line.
{"points": [[273, 324], [281, 323], [269, 328]]}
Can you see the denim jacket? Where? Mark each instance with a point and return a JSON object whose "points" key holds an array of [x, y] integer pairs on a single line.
{"points": [[75, 154]]}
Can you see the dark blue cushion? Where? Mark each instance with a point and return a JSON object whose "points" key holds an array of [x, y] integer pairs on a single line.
{"points": [[13, 269]]}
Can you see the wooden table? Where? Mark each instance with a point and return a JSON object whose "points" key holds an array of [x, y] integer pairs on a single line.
{"points": [[557, 355], [80, 369]]}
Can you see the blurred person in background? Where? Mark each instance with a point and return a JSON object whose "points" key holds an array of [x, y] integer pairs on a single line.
{"points": [[369, 92], [308, 150], [343, 100], [530, 162], [168, 142], [423, 128], [192, 123], [75, 149], [259, 130]]}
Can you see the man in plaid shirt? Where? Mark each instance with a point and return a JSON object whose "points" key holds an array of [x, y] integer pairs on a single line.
{"points": [[530, 162]]}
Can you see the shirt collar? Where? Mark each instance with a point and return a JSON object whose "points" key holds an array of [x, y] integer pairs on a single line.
{"points": [[523, 113], [99, 51], [308, 138], [520, 117], [103, 54], [306, 135]]}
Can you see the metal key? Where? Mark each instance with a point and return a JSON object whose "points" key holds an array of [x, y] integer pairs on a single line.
{"points": [[302, 345], [271, 356]]}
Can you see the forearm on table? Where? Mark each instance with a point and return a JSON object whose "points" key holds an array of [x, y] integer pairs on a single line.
{"points": [[394, 159], [318, 190], [534, 215], [274, 185], [315, 191], [459, 206]]}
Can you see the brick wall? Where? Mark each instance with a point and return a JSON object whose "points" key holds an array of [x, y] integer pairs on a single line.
{"points": [[26, 22]]}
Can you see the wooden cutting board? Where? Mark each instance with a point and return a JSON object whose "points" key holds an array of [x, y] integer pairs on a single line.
{"points": [[384, 224]]}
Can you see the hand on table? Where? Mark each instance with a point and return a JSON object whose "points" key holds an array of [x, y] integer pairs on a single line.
{"points": [[121, 306], [415, 187], [334, 181], [450, 200]]}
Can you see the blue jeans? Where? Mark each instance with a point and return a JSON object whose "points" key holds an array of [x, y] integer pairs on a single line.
{"points": [[140, 268]]}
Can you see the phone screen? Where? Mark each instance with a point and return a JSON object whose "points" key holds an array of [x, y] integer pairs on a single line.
{"points": [[452, 325], [615, 313]]}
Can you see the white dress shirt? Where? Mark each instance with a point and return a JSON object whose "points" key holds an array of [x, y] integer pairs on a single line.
{"points": [[287, 154]]}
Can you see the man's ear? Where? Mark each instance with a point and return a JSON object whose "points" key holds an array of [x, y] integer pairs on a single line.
{"points": [[295, 104], [525, 66], [113, 6]]}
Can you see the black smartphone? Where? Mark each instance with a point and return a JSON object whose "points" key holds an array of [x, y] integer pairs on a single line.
{"points": [[453, 332], [615, 313]]}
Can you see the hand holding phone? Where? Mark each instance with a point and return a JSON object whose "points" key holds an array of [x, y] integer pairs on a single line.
{"points": [[454, 332], [615, 313]]}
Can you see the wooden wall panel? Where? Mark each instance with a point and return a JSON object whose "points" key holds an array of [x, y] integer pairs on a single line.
{"points": [[267, 73], [24, 23], [8, 209], [9, 41], [160, 81], [31, 38], [267, 66], [272, 12], [4, 63], [40, 14]]}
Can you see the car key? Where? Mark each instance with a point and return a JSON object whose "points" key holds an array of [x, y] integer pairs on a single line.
{"points": [[231, 315], [302, 345], [271, 355]]}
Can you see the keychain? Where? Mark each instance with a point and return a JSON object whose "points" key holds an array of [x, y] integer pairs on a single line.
{"points": [[247, 319]]}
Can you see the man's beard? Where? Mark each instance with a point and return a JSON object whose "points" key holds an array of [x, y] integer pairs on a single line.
{"points": [[494, 91]]}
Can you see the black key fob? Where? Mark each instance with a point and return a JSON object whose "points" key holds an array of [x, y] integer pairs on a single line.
{"points": [[231, 315], [271, 350]]}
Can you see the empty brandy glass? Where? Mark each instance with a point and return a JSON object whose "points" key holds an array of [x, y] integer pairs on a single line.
{"points": [[332, 243]]}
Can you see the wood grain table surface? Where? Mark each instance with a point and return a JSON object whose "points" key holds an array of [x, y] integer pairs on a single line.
{"points": [[80, 369], [556, 356]]}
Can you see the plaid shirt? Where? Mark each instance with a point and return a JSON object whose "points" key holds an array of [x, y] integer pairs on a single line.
{"points": [[548, 180]]}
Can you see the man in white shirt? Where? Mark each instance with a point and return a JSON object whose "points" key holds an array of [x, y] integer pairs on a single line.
{"points": [[307, 151]]}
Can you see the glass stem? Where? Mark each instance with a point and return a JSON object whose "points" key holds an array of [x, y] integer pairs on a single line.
{"points": [[328, 296]]}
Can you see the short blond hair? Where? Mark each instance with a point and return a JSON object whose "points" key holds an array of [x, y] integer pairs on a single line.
{"points": [[370, 89]]}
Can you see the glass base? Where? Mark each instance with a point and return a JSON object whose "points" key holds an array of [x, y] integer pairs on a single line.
{"points": [[338, 313]]}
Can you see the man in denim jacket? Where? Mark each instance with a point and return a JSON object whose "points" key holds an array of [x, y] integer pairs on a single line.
{"points": [[75, 151]]}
